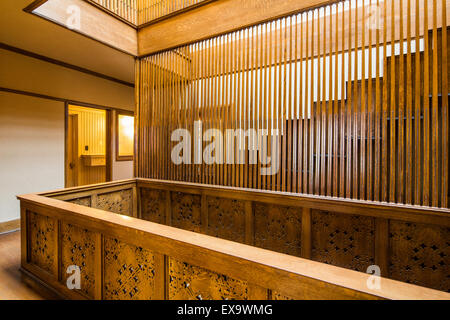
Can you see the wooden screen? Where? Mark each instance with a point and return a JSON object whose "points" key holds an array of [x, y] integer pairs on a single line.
{"points": [[357, 91], [150, 10], [126, 9]]}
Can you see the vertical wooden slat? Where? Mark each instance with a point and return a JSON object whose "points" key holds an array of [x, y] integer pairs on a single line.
{"points": [[323, 121], [283, 103], [254, 103], [318, 106], [330, 109], [157, 124], [384, 136], [417, 113], [426, 113], [166, 133], [356, 112], [306, 116], [260, 118], [224, 110], [435, 116], [270, 178], [342, 125], [392, 115], [289, 117], [280, 114], [171, 106], [228, 105], [192, 106], [243, 94], [348, 182], [293, 102], [401, 114], [444, 114], [234, 102], [301, 116], [265, 118], [363, 117], [214, 107], [335, 105], [275, 177], [311, 114], [198, 110], [370, 114], [250, 108], [409, 99], [203, 104]]}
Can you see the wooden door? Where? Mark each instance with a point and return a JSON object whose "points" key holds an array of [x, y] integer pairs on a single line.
{"points": [[72, 161]]}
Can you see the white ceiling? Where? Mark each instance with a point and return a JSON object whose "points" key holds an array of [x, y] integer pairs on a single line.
{"points": [[29, 32]]}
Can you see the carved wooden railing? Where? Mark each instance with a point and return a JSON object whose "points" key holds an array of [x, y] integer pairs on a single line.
{"points": [[122, 257], [408, 243]]}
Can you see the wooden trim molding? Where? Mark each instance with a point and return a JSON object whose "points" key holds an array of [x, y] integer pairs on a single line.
{"points": [[108, 134], [35, 4], [43, 96], [60, 63], [9, 226], [116, 135]]}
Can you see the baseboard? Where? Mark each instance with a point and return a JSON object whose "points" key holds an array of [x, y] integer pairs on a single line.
{"points": [[39, 286], [9, 226]]}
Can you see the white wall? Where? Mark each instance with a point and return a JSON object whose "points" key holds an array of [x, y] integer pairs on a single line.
{"points": [[31, 149], [32, 129]]}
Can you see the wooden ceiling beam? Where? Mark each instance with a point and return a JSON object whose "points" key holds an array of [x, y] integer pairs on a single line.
{"points": [[94, 23], [214, 19]]}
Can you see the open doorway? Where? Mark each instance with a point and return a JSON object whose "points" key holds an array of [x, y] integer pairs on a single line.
{"points": [[87, 151]]}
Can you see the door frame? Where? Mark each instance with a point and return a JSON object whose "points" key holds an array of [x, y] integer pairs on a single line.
{"points": [[72, 144], [109, 138]]}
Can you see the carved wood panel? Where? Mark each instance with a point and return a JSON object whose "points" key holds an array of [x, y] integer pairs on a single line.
{"points": [[42, 241], [188, 282], [85, 201], [226, 218], [153, 205], [78, 249], [279, 296], [343, 240], [120, 202], [278, 228], [129, 272], [186, 211], [420, 254]]}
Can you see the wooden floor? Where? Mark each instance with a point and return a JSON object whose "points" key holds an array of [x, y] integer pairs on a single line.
{"points": [[11, 285]]}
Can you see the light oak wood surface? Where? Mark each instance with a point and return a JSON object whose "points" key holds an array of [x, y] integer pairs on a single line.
{"points": [[11, 285], [259, 268]]}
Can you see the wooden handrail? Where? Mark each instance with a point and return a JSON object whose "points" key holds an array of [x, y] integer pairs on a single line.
{"points": [[259, 269], [404, 212]]}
